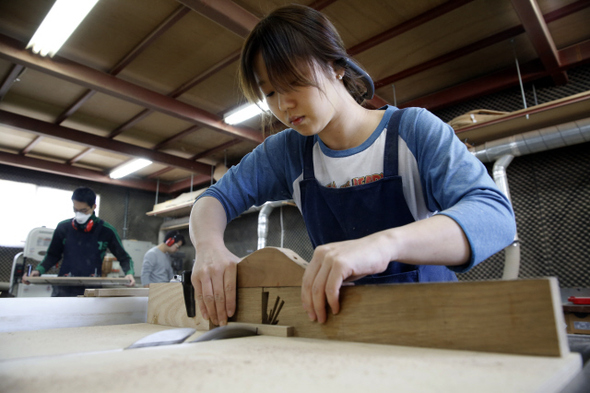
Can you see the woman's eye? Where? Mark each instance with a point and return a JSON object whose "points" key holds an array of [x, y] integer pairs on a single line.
{"points": [[270, 94]]}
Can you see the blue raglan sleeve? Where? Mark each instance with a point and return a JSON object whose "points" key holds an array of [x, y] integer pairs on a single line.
{"points": [[265, 174], [457, 185]]}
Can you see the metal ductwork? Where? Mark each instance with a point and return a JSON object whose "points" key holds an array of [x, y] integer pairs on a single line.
{"points": [[263, 216], [535, 141], [502, 151]]}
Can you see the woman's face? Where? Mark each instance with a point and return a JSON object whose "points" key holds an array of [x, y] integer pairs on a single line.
{"points": [[307, 109]]}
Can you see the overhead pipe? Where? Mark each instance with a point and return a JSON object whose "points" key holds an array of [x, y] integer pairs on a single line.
{"points": [[503, 150], [536, 141]]}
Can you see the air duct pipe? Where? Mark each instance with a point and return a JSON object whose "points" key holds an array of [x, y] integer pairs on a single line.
{"points": [[512, 252], [263, 216], [504, 150]]}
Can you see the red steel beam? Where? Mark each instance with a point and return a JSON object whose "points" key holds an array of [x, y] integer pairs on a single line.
{"points": [[407, 25], [538, 33], [571, 56], [15, 71], [79, 173], [68, 134], [11, 50], [225, 13]]}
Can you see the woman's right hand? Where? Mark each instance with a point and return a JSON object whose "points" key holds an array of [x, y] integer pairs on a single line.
{"points": [[214, 280]]}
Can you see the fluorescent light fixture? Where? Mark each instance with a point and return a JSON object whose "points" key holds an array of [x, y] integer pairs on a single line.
{"points": [[129, 167], [59, 24], [244, 113]]}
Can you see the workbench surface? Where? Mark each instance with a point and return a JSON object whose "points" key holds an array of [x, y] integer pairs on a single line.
{"points": [[91, 359]]}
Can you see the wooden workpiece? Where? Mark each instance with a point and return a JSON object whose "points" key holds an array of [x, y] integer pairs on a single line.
{"points": [[517, 317]]}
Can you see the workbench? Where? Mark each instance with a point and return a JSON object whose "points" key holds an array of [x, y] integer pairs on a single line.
{"points": [[91, 359], [78, 344]]}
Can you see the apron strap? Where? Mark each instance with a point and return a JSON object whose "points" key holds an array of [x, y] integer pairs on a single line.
{"points": [[390, 156], [308, 158]]}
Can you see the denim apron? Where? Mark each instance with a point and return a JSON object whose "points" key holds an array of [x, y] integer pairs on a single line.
{"points": [[338, 214]]}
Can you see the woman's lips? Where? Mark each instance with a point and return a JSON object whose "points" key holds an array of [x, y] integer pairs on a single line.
{"points": [[296, 120]]}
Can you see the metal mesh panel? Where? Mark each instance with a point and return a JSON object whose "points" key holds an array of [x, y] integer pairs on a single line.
{"points": [[285, 229], [551, 197], [510, 100]]}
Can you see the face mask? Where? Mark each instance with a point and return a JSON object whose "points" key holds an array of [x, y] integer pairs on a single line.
{"points": [[81, 218]]}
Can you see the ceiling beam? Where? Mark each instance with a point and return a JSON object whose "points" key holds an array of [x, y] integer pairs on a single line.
{"points": [[407, 25], [483, 86], [460, 52], [538, 33], [79, 74], [39, 127], [79, 173], [225, 13], [182, 185], [12, 76], [571, 56]]}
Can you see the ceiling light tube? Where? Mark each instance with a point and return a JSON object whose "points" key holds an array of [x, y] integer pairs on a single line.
{"points": [[244, 113], [59, 24], [129, 167]]}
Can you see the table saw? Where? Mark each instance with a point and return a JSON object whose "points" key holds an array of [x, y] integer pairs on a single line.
{"points": [[500, 336]]}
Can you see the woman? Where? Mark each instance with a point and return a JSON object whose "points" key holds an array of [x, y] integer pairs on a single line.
{"points": [[387, 195]]}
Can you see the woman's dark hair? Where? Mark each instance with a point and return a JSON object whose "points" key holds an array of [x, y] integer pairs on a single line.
{"points": [[84, 194], [294, 41]]}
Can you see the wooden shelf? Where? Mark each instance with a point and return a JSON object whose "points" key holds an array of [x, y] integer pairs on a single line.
{"points": [[178, 207], [550, 114]]}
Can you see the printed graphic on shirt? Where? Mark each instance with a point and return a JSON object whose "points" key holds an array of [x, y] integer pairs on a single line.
{"points": [[357, 181]]}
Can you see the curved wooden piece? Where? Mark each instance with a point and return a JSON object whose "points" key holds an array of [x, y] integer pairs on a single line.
{"points": [[271, 267]]}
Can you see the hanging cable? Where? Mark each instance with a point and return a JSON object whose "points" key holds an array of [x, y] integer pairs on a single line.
{"points": [[519, 77], [157, 190]]}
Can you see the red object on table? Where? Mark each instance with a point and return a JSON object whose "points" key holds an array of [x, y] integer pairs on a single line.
{"points": [[579, 300]]}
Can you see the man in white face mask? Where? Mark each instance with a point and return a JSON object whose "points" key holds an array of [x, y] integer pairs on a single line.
{"points": [[82, 243]]}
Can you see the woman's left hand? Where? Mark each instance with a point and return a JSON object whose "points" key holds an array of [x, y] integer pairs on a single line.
{"points": [[334, 263]]}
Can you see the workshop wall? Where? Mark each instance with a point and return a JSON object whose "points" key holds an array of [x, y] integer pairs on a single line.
{"points": [[124, 208]]}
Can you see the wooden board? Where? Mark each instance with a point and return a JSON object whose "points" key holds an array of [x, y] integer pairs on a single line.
{"points": [[79, 281], [271, 267], [518, 317], [166, 307], [276, 364], [116, 292]]}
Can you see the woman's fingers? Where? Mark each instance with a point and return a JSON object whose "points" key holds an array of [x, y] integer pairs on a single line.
{"points": [[199, 296], [229, 282], [208, 296], [307, 285]]}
